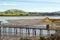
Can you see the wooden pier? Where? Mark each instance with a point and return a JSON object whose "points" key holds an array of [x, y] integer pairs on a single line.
{"points": [[7, 31]]}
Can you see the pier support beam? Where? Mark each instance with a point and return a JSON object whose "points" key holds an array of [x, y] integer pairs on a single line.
{"points": [[47, 28], [34, 32], [20, 31], [40, 32], [28, 32], [48, 32], [16, 31], [0, 33]]}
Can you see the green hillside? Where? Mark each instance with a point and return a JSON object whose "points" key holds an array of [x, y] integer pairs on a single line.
{"points": [[15, 12]]}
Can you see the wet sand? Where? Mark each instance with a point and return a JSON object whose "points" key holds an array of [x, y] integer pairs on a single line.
{"points": [[11, 37]]}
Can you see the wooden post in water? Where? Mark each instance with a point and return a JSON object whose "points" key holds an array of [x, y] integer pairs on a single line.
{"points": [[35, 32], [28, 32], [0, 30], [0, 33], [9, 31], [20, 31], [40, 32], [48, 31], [16, 31], [5, 30]]}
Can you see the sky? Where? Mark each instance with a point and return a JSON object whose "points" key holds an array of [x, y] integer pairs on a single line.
{"points": [[31, 5]]}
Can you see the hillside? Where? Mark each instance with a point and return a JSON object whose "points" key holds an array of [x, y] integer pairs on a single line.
{"points": [[15, 12]]}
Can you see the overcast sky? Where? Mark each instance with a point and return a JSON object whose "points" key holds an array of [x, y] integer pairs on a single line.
{"points": [[31, 5]]}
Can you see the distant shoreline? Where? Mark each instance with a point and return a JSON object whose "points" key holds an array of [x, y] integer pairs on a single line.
{"points": [[16, 12], [20, 16]]}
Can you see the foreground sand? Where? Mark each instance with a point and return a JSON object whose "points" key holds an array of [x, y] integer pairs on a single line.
{"points": [[11, 37]]}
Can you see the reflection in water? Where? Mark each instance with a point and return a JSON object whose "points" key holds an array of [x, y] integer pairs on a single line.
{"points": [[12, 31]]}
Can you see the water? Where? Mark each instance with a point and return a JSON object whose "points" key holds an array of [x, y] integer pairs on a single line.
{"points": [[11, 31], [4, 19]]}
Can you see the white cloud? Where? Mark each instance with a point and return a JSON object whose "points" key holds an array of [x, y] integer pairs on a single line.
{"points": [[55, 0], [32, 6], [48, 1], [30, 1], [37, 0], [40, 1], [6, 3], [45, 0], [13, 3]]}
